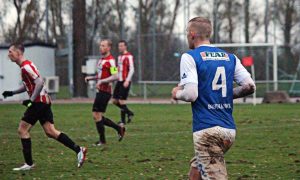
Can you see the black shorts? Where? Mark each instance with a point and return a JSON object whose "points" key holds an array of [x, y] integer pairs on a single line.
{"points": [[120, 92], [38, 111], [101, 101]]}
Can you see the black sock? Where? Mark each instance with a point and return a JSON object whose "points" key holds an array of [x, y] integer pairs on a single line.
{"points": [[101, 130], [65, 140], [123, 116], [125, 108], [119, 105], [110, 123], [26, 144]]}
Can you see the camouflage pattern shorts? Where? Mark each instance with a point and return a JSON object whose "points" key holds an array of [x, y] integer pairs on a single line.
{"points": [[210, 146]]}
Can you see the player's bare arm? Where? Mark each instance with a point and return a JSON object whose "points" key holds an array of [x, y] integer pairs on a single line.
{"points": [[247, 87], [130, 74], [244, 80], [39, 84], [21, 89], [111, 78], [90, 78]]}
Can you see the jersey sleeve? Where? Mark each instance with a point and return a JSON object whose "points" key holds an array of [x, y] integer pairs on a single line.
{"points": [[188, 70], [131, 68], [240, 72], [113, 68], [31, 72]]}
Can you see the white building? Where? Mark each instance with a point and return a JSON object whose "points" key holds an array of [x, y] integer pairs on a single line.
{"points": [[42, 55]]}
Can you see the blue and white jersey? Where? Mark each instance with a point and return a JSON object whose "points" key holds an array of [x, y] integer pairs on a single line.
{"points": [[214, 71]]}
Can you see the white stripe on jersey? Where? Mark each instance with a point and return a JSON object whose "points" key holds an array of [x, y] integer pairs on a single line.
{"points": [[30, 71]]}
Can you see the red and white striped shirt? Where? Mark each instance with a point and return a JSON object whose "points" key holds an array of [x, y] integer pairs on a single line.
{"points": [[125, 67], [29, 73], [103, 71]]}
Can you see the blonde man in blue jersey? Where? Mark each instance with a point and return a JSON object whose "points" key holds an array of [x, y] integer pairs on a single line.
{"points": [[207, 77]]}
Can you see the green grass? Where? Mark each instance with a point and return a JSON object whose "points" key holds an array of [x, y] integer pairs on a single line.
{"points": [[158, 144]]}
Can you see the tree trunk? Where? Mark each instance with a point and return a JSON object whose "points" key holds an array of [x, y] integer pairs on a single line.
{"points": [[79, 47], [289, 11]]}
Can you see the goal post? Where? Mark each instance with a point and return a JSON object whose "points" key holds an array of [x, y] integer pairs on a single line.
{"points": [[266, 70]]}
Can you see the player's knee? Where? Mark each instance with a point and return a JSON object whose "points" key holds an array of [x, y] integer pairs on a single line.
{"points": [[115, 101], [22, 132], [97, 117]]}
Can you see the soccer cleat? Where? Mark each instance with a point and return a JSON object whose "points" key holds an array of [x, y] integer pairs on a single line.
{"points": [[24, 167], [121, 133], [130, 116], [99, 143], [81, 156]]}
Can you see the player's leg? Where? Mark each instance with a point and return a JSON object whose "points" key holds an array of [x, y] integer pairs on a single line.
{"points": [[210, 146], [46, 120], [116, 97], [63, 138], [24, 135], [194, 174], [29, 118], [100, 128], [127, 111], [105, 97], [122, 112], [122, 101], [118, 127]]}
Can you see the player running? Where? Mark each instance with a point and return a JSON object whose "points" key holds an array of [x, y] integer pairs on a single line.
{"points": [[106, 74], [126, 70], [207, 76], [38, 108]]}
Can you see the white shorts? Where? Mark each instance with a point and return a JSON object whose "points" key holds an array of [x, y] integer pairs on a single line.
{"points": [[210, 146]]}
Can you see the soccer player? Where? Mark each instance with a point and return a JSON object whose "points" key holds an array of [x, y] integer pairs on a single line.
{"points": [[106, 74], [207, 76], [125, 72], [38, 108]]}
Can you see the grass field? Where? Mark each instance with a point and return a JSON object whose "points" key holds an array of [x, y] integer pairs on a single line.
{"points": [[158, 144]]}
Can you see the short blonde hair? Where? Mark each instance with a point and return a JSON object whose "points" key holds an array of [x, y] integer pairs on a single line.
{"points": [[109, 42], [202, 27]]}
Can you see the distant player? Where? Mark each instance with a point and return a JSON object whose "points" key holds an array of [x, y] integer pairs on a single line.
{"points": [[126, 70], [106, 74], [207, 76], [38, 109]]}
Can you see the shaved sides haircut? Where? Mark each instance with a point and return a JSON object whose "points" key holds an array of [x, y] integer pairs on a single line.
{"points": [[18, 46], [109, 42], [202, 27]]}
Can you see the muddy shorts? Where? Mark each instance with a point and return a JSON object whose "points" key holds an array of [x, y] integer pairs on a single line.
{"points": [[210, 146]]}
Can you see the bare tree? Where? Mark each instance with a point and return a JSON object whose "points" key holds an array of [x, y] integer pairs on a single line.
{"points": [[287, 18], [157, 21], [27, 26]]}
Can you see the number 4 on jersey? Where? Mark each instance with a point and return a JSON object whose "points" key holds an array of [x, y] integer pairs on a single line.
{"points": [[215, 86]]}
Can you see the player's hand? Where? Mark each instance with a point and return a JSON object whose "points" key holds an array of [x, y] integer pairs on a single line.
{"points": [[87, 78], [28, 103], [98, 85], [7, 94], [126, 84], [174, 91]]}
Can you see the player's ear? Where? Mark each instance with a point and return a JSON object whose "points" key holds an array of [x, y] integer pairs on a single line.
{"points": [[193, 34]]}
